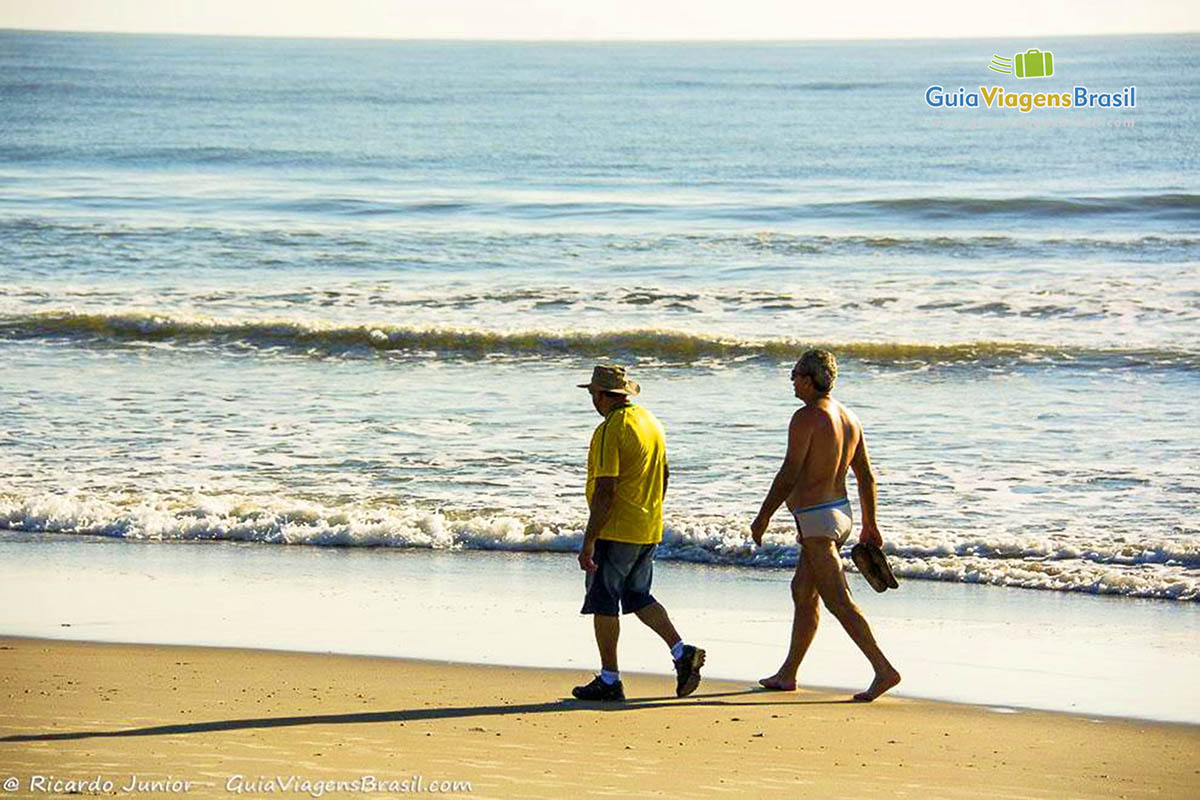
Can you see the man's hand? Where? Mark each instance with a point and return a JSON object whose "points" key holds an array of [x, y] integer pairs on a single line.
{"points": [[585, 557], [870, 535], [757, 529], [599, 510]]}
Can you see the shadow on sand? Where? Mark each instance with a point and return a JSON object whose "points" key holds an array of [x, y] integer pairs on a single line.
{"points": [[417, 714]]}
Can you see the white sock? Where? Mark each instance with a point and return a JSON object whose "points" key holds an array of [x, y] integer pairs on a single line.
{"points": [[610, 676], [677, 650]]}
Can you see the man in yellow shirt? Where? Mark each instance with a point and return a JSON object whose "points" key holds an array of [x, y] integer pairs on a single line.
{"points": [[626, 482]]}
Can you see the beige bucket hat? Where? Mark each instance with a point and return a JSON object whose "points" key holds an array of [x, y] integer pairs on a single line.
{"points": [[611, 379]]}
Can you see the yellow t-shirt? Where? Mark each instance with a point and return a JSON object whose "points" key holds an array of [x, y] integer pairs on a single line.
{"points": [[630, 446]]}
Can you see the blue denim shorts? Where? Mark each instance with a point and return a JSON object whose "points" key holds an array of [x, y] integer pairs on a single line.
{"points": [[621, 578]]}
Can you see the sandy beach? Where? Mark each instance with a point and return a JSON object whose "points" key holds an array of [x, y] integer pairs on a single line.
{"points": [[216, 721], [294, 458]]}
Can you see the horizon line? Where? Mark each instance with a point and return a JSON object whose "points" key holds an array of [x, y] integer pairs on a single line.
{"points": [[515, 40]]}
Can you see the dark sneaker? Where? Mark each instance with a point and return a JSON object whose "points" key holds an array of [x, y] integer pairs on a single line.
{"points": [[599, 690], [687, 670]]}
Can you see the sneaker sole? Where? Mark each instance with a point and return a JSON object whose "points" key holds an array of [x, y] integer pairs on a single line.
{"points": [[610, 699], [694, 680]]}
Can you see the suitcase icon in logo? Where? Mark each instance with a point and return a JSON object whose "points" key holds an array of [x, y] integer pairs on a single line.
{"points": [[1034, 63]]}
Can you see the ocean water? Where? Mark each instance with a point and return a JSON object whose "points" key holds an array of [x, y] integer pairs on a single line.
{"points": [[339, 293]]}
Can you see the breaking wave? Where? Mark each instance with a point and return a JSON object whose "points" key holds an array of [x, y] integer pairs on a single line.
{"points": [[669, 345]]}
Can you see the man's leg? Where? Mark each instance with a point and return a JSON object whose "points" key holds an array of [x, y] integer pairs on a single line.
{"points": [[688, 658], [606, 686], [602, 601], [608, 630], [655, 617], [804, 626], [821, 556]]}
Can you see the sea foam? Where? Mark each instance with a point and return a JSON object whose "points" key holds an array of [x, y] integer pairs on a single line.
{"points": [[1165, 568]]}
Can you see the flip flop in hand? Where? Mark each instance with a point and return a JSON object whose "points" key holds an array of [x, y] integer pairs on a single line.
{"points": [[873, 566]]}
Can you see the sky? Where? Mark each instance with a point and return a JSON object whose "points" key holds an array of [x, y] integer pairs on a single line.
{"points": [[608, 19]]}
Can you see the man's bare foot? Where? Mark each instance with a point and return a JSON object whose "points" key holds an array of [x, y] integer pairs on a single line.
{"points": [[882, 682], [777, 684]]}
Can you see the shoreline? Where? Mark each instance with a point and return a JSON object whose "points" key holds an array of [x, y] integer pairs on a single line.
{"points": [[982, 645], [573, 675], [208, 715]]}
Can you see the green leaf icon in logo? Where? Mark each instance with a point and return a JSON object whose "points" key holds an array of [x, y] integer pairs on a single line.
{"points": [[1034, 63], [1001, 64]]}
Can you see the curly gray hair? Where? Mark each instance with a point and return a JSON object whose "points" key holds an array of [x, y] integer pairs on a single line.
{"points": [[821, 366]]}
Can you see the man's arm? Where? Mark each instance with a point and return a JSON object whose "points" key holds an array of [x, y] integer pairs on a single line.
{"points": [[666, 477], [603, 497], [799, 439], [865, 477]]}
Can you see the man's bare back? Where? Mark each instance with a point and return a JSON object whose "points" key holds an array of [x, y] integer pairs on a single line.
{"points": [[832, 434]]}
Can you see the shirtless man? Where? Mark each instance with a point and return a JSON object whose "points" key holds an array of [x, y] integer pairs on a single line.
{"points": [[825, 439]]}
